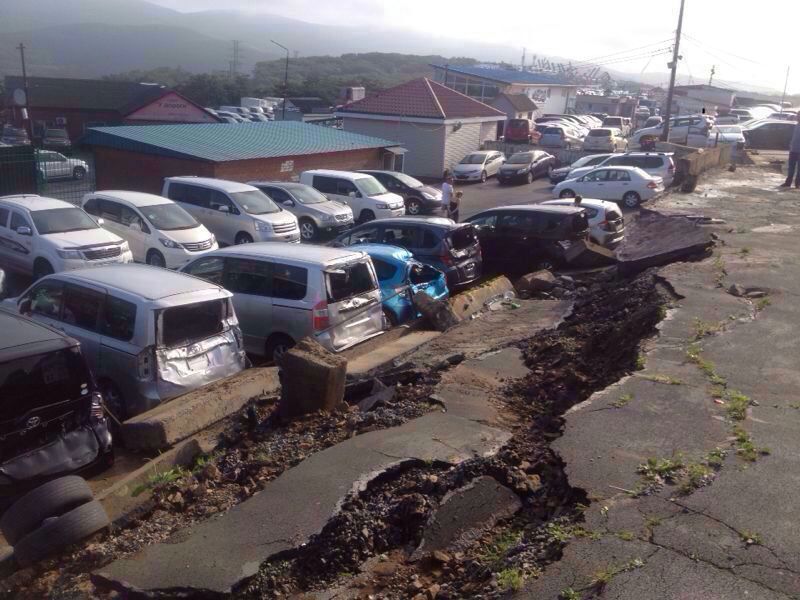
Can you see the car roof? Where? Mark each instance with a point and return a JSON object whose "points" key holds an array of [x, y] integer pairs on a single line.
{"points": [[386, 251], [590, 202], [222, 185], [24, 337], [535, 208], [435, 221], [287, 185], [334, 173], [302, 253], [151, 283], [134, 198], [32, 202]]}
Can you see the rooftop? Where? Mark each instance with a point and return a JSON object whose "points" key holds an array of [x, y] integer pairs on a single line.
{"points": [[506, 75], [33, 202], [520, 102], [305, 253], [220, 142], [386, 251]]}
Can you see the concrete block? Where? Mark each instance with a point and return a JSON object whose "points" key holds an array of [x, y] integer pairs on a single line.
{"points": [[470, 302], [313, 378], [538, 281], [437, 313], [184, 416]]}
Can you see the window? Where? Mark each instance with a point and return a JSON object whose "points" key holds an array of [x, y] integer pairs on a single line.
{"points": [[17, 221], [617, 175], [288, 282], [92, 207], [519, 221], [349, 281], [3, 217], [182, 325], [82, 307], [169, 217], [46, 299], [254, 202], [405, 237], [218, 199], [111, 211], [599, 175], [326, 185], [652, 162], [119, 319], [209, 268], [363, 236], [429, 239], [590, 212], [344, 188], [130, 218], [62, 220], [243, 276], [276, 194], [383, 269], [485, 221], [190, 194]]}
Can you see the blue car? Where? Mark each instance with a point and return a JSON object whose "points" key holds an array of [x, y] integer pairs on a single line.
{"points": [[400, 277]]}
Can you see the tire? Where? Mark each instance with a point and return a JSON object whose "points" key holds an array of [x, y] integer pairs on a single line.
{"points": [[243, 238], [41, 268], [566, 193], [413, 207], [277, 344], [483, 176], [529, 177], [366, 216], [308, 230], [59, 532], [391, 319], [51, 499], [631, 199], [156, 259], [114, 401], [78, 173]]}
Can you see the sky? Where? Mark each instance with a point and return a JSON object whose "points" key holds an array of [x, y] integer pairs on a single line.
{"points": [[740, 40]]}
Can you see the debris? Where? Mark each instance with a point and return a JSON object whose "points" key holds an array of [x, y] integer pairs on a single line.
{"points": [[440, 556], [737, 290], [755, 294], [379, 398], [312, 379], [437, 313], [538, 281]]}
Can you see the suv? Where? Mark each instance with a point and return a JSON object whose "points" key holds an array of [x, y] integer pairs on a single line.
{"points": [[419, 198], [621, 123], [41, 235], [52, 422], [605, 139], [315, 213], [236, 213], [657, 164], [364, 194], [450, 247], [54, 165], [56, 139]]}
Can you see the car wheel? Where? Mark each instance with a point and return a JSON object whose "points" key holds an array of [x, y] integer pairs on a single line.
{"points": [[243, 238], [308, 230], [48, 500], [483, 176], [41, 268], [529, 177], [631, 199], [390, 317], [78, 173], [59, 532], [276, 346], [156, 259], [366, 216], [567, 193], [414, 207]]}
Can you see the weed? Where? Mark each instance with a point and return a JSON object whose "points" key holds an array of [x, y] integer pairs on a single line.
{"points": [[625, 536], [744, 251], [751, 538], [651, 522], [501, 544], [604, 576], [697, 475], [559, 532], [623, 400], [641, 361], [160, 479], [656, 470], [719, 267], [510, 579], [659, 378], [745, 448], [763, 303], [795, 405], [704, 328], [569, 594], [716, 457], [737, 404], [662, 312]]}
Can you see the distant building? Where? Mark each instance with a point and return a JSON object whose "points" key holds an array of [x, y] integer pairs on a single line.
{"points": [[692, 99], [515, 106], [618, 106]]}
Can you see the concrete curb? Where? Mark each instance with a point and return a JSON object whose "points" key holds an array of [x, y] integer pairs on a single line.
{"points": [[470, 302]]}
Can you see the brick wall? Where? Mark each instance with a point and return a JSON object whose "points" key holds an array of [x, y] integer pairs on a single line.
{"points": [[248, 170]]}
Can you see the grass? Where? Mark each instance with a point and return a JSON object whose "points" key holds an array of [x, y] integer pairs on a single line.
{"points": [[641, 362], [763, 303], [745, 448], [751, 538], [716, 457], [656, 470], [721, 273], [569, 594], [625, 536], [510, 579], [659, 378], [697, 475], [737, 404], [159, 479], [651, 522], [604, 576], [705, 328], [623, 400], [501, 544]]}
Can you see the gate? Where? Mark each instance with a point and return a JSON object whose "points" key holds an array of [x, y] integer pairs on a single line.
{"points": [[29, 170]]}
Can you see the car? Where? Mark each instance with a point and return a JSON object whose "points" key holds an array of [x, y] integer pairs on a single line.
{"points": [[518, 239], [400, 277], [479, 166], [149, 334], [436, 241], [236, 213], [284, 293], [606, 222], [39, 236], [629, 185], [726, 119], [364, 194], [591, 160], [15, 136], [521, 130], [732, 135], [743, 114], [784, 115], [231, 117], [419, 198], [681, 128], [316, 214], [54, 165], [53, 421], [653, 121], [621, 123], [571, 122], [769, 135], [158, 231], [559, 136], [605, 139], [55, 139], [526, 166], [658, 164]]}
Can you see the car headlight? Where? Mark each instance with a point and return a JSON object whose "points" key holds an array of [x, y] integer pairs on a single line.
{"points": [[262, 226], [213, 239], [168, 243], [124, 247], [381, 206], [522, 171], [328, 218], [66, 254]]}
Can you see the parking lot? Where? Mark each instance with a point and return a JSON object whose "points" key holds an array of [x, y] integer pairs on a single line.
{"points": [[481, 196]]}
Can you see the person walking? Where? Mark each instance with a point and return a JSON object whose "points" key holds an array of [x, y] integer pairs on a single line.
{"points": [[794, 158], [447, 194], [452, 210]]}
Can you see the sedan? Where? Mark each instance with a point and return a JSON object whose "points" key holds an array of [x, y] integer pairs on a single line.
{"points": [[562, 173], [526, 166], [420, 198], [769, 135], [629, 185], [478, 166]]}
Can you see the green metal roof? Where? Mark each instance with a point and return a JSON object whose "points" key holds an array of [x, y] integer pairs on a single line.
{"points": [[220, 142]]}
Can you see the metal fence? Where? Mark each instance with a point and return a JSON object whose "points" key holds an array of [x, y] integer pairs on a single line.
{"points": [[57, 174]]}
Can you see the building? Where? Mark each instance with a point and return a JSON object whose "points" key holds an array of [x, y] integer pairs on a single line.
{"points": [[693, 99], [617, 106], [438, 126], [551, 93], [515, 106], [140, 157], [75, 104]]}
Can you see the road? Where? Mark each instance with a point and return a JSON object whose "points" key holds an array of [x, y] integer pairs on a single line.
{"points": [[480, 196]]}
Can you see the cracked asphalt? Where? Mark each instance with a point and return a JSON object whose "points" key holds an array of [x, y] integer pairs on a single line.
{"points": [[736, 535]]}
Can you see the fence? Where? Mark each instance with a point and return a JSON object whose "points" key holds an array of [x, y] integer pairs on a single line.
{"points": [[29, 170]]}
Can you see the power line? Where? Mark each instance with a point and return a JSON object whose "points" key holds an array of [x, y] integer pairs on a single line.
{"points": [[694, 39], [658, 52], [613, 54]]}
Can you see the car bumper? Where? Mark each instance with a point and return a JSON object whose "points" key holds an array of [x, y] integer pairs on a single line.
{"points": [[464, 273], [476, 176], [388, 213], [176, 259], [609, 239], [513, 176], [71, 264], [335, 228], [269, 236]]}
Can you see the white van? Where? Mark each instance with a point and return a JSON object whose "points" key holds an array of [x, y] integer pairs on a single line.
{"points": [[158, 231], [364, 194], [234, 212]]}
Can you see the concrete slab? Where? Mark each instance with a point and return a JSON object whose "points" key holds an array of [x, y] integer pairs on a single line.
{"points": [[387, 352], [470, 302]]}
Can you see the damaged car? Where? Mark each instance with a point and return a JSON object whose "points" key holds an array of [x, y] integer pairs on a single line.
{"points": [[148, 334]]}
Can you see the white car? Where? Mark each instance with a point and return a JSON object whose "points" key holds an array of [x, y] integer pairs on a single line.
{"points": [[590, 160], [606, 223], [629, 185], [364, 194], [158, 231], [691, 130], [558, 135], [54, 165], [726, 120], [606, 139], [657, 164], [478, 166], [39, 236], [732, 135]]}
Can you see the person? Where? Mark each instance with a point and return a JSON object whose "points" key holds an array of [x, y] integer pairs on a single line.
{"points": [[452, 210], [577, 200], [447, 193], [794, 158]]}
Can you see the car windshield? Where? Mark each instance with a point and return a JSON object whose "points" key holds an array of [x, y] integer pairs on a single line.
{"points": [[308, 195], [600, 133], [518, 123], [520, 158], [473, 159], [168, 217], [61, 220], [408, 180], [255, 202], [370, 186]]}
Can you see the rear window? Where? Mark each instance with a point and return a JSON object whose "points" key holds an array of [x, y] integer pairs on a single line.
{"points": [[182, 325], [600, 133], [518, 123], [349, 281], [463, 238]]}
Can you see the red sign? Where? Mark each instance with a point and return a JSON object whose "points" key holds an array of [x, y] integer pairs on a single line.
{"points": [[171, 108]]}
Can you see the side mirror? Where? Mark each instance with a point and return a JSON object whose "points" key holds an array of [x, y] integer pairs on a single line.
{"points": [[353, 194], [224, 208], [136, 226], [23, 230], [101, 221]]}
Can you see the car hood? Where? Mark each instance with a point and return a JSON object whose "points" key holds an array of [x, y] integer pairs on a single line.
{"points": [[83, 238], [329, 208], [459, 168], [561, 170], [188, 236], [388, 197], [580, 171], [513, 167], [282, 218], [431, 191]]}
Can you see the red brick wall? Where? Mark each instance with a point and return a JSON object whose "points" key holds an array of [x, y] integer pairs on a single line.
{"points": [[124, 170], [76, 118], [248, 170]]}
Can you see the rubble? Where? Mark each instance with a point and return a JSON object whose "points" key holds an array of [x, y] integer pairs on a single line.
{"points": [[437, 313], [538, 281]]}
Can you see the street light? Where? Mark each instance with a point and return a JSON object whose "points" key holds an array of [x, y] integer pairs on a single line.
{"points": [[285, 78]]}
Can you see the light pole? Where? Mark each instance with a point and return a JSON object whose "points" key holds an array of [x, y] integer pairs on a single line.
{"points": [[285, 78]]}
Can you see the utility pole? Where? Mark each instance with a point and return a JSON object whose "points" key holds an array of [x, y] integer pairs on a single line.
{"points": [[285, 79], [713, 71], [27, 114], [523, 58], [235, 62], [674, 66], [785, 85]]}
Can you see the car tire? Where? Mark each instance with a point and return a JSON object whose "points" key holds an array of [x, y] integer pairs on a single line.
{"points": [[631, 199], [156, 259], [308, 230], [366, 216], [51, 499], [390, 317], [41, 268], [483, 176], [277, 344], [413, 207], [78, 173], [529, 177], [243, 238], [114, 401], [59, 532], [566, 193]]}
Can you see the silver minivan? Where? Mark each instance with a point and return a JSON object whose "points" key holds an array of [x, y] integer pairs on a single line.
{"points": [[148, 334], [284, 293]]}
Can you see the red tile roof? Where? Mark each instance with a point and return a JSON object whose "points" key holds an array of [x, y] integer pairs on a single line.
{"points": [[422, 98]]}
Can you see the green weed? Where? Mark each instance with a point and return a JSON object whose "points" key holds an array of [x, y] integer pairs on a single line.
{"points": [[704, 328], [745, 448], [623, 400], [656, 470], [658, 378], [737, 404], [751, 538], [569, 594], [510, 579], [625, 536], [716, 457], [697, 475], [763, 303], [641, 362], [160, 479]]}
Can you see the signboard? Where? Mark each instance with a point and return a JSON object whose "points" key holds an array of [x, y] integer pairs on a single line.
{"points": [[171, 108], [287, 166]]}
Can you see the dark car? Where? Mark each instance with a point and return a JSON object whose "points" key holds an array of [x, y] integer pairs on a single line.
{"points": [[56, 139], [435, 241], [769, 135], [420, 198], [14, 136], [526, 166], [521, 130], [51, 416], [519, 239]]}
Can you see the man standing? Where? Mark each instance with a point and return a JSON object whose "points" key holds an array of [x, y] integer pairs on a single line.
{"points": [[447, 194], [794, 158]]}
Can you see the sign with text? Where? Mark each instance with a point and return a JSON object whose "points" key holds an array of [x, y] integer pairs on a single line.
{"points": [[171, 108]]}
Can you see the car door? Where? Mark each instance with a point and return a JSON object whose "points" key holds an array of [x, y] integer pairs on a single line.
{"points": [[515, 243], [486, 228], [617, 184], [250, 280], [82, 307], [222, 214], [348, 193], [111, 213], [138, 233], [6, 243], [195, 200], [22, 245]]}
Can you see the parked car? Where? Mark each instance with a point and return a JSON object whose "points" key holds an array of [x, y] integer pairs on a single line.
{"points": [[435, 241], [743, 114], [681, 128], [53, 422], [605, 139], [231, 117], [364, 194], [606, 223], [419, 198], [15, 136], [56, 139], [400, 277], [769, 135], [726, 119], [629, 185], [657, 164], [479, 166], [653, 121], [559, 136], [784, 115], [285, 293], [731, 135], [621, 123], [521, 130], [519, 239], [39, 236], [592, 160], [54, 165], [236, 213], [316, 214], [526, 166], [158, 231], [149, 334]]}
